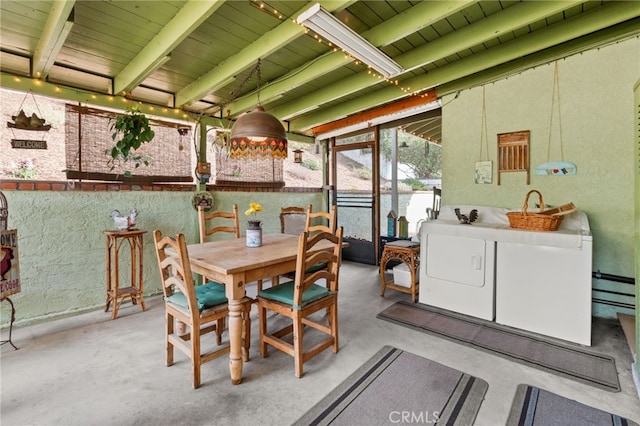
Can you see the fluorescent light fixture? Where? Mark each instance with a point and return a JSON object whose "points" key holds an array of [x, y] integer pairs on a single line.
{"points": [[329, 27]]}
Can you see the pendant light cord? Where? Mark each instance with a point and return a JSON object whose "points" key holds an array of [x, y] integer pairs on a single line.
{"points": [[483, 128], [235, 93], [258, 78], [555, 98]]}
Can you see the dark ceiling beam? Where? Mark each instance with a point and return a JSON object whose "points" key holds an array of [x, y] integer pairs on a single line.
{"points": [[54, 34], [364, 116], [157, 51], [411, 20], [607, 15], [510, 19], [266, 44]]}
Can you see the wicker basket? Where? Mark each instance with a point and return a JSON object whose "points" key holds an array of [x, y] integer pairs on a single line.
{"points": [[534, 221]]}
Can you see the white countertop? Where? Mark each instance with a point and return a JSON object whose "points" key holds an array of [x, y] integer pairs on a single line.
{"points": [[492, 224]]}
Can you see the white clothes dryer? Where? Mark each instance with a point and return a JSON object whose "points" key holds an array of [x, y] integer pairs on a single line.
{"points": [[543, 280], [457, 261]]}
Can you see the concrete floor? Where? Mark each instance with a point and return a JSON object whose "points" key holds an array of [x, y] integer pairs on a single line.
{"points": [[91, 370]]}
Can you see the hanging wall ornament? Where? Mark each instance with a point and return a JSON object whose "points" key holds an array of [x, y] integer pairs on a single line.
{"points": [[204, 199], [561, 167], [24, 121], [484, 168]]}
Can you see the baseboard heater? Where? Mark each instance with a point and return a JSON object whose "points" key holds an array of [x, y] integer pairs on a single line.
{"points": [[610, 277]]}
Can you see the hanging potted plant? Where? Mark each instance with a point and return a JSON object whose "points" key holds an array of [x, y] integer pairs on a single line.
{"points": [[130, 131]]}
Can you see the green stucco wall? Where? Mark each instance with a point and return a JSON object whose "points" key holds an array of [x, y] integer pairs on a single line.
{"points": [[62, 247], [636, 118], [596, 104]]}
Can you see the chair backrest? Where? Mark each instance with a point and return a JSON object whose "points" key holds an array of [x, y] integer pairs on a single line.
{"points": [[437, 197], [328, 219], [332, 258], [175, 271], [293, 220], [210, 223]]}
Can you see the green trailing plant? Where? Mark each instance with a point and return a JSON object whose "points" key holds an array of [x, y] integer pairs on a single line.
{"points": [[130, 131]]}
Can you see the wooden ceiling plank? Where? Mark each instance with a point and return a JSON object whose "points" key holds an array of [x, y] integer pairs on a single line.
{"points": [[267, 43], [505, 21], [412, 20], [407, 22], [513, 17], [53, 36], [157, 52], [597, 19]]}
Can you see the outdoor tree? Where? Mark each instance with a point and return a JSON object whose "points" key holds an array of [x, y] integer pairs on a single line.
{"points": [[424, 159]]}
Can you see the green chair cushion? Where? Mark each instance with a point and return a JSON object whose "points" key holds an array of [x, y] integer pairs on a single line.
{"points": [[214, 285], [207, 295], [315, 268], [284, 293]]}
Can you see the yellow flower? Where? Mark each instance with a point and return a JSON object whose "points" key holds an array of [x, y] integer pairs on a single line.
{"points": [[253, 209]]}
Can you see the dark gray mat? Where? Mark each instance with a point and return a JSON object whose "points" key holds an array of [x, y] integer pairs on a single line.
{"points": [[396, 387], [533, 406], [570, 361]]}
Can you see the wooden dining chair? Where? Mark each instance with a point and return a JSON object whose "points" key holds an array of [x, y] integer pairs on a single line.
{"points": [[321, 221], [220, 221], [202, 309], [317, 222], [299, 299], [292, 220]]}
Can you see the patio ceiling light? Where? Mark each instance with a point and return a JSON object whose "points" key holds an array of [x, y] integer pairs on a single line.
{"points": [[329, 27], [258, 133]]}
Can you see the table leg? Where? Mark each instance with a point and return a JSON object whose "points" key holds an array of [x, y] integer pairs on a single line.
{"points": [[235, 341], [383, 266], [109, 260], [414, 296]]}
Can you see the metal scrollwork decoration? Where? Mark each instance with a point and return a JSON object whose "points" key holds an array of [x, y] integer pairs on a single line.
{"points": [[4, 212], [7, 256]]}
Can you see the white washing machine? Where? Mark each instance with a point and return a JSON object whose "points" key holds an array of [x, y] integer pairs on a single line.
{"points": [[543, 280], [457, 261]]}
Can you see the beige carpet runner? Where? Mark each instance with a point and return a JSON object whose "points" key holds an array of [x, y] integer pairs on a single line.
{"points": [[533, 406], [398, 387], [567, 360]]}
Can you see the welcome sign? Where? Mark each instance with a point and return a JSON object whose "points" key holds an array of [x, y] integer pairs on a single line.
{"points": [[9, 263]]}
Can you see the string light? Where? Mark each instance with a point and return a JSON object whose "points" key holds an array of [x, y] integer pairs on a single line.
{"points": [[356, 61], [266, 8]]}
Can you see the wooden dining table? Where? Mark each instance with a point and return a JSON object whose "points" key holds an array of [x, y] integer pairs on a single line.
{"points": [[233, 264]]}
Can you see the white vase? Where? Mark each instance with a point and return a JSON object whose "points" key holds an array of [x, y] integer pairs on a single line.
{"points": [[254, 233]]}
